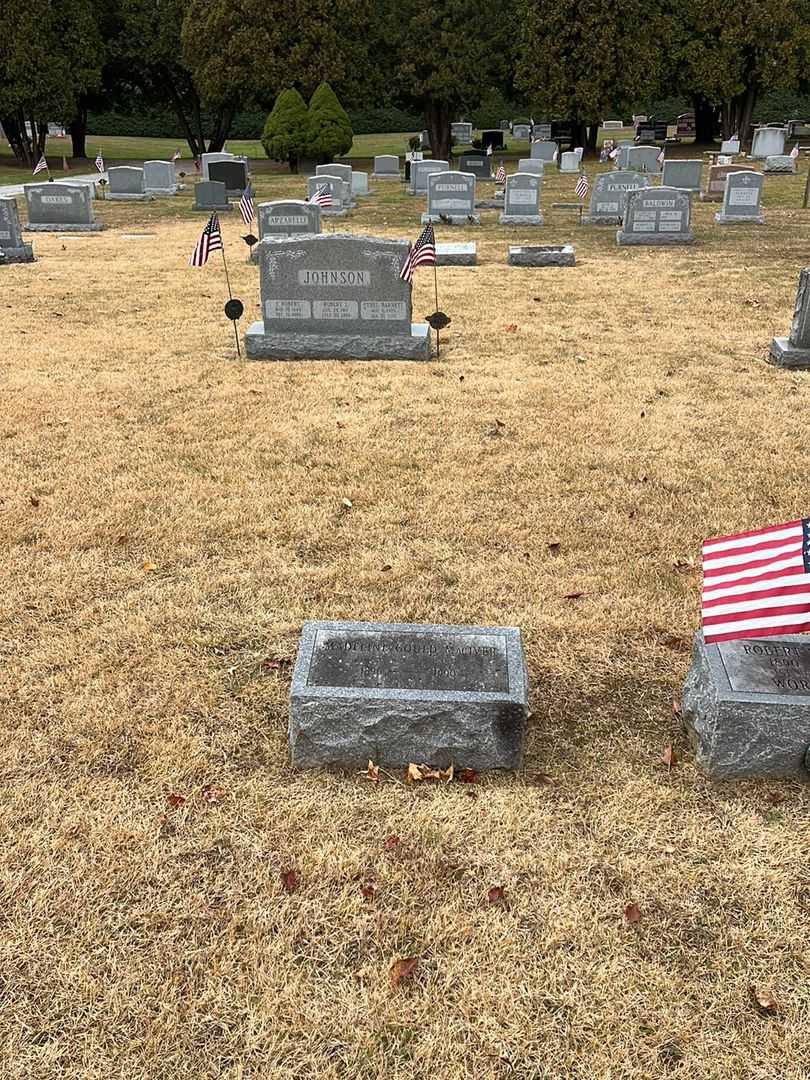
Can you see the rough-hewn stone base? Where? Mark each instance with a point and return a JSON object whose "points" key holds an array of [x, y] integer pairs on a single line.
{"points": [[456, 254], [624, 239], [783, 354], [521, 219], [289, 346], [735, 219], [23, 254], [451, 219], [524, 255], [93, 226]]}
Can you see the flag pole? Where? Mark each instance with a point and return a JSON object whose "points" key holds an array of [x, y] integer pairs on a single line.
{"points": [[230, 297], [436, 294]]}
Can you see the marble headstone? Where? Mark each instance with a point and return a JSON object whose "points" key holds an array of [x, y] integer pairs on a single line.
{"points": [[522, 200], [794, 350], [451, 199], [12, 247], [457, 254], [682, 173], [210, 195], [730, 146], [126, 184], [541, 255], [780, 163], [570, 162], [462, 132], [159, 178], [359, 183], [741, 199], [608, 196], [386, 167], [523, 132], [655, 216], [60, 207], [768, 141], [544, 151]]}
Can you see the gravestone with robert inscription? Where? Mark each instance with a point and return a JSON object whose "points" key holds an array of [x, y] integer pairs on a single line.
{"points": [[335, 296], [397, 693], [746, 706], [12, 247]]}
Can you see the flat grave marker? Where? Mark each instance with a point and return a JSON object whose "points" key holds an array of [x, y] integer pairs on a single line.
{"points": [[541, 255]]}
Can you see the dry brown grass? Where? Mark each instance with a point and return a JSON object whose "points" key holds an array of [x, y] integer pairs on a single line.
{"points": [[638, 416]]}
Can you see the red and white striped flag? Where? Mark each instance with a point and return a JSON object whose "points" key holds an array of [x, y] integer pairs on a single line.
{"points": [[756, 584], [423, 253], [246, 205], [210, 240], [99, 162], [614, 153], [321, 197], [41, 166], [500, 175], [581, 190]]}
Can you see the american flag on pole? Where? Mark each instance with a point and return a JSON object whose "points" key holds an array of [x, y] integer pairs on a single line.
{"points": [[500, 175], [246, 205], [581, 190], [555, 155], [41, 165], [210, 240], [99, 162], [756, 584], [321, 197], [614, 153], [423, 253]]}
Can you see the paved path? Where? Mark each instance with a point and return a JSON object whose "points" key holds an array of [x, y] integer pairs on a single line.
{"points": [[17, 189]]}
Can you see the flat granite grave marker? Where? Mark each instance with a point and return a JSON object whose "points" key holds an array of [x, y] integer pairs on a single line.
{"points": [[716, 183], [794, 350], [541, 255], [159, 178], [746, 705], [12, 247], [386, 167], [655, 216], [60, 207], [400, 693], [532, 166], [335, 296], [451, 199], [337, 188], [463, 254], [768, 141], [126, 184], [741, 199], [780, 163], [608, 196], [522, 200], [683, 173], [233, 174], [210, 195]]}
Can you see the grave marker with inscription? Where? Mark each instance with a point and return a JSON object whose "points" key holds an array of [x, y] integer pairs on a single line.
{"points": [[461, 132], [523, 132], [477, 164], [337, 188], [451, 199], [285, 217], [522, 200], [12, 247], [716, 183], [233, 173], [60, 207], [643, 159], [780, 163], [400, 693], [386, 167], [794, 350], [335, 296], [126, 184], [420, 171], [543, 150], [741, 199], [532, 166], [608, 196], [746, 705], [159, 178], [767, 141], [655, 216]]}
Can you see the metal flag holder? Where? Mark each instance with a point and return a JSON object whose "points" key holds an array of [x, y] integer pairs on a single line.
{"points": [[438, 320], [234, 308]]}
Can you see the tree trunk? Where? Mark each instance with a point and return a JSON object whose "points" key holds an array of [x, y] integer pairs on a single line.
{"points": [[593, 136], [11, 127], [194, 144], [292, 161], [746, 111], [579, 134], [705, 120], [78, 132], [221, 130], [437, 122]]}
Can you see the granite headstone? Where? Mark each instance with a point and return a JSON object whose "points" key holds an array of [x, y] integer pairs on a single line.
{"points": [[794, 350], [12, 247], [655, 216], [159, 178], [334, 186], [451, 199], [477, 164], [210, 195], [716, 182], [532, 165], [543, 150], [522, 200], [60, 207], [126, 184], [608, 196], [780, 163], [683, 173], [741, 199], [386, 167], [233, 174]]}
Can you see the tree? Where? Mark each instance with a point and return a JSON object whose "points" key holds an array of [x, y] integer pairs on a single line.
{"points": [[286, 132], [330, 130]]}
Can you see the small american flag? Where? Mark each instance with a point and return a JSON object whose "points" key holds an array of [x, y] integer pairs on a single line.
{"points": [[423, 253], [176, 155], [41, 165], [614, 153], [197, 166], [210, 240], [246, 205], [756, 584], [322, 197], [581, 190], [500, 175], [99, 162], [794, 153]]}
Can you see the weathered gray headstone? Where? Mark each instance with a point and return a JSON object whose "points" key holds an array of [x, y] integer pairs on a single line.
{"points": [[541, 150], [159, 178], [655, 216], [285, 217], [716, 183], [742, 199], [462, 254], [570, 162], [451, 199], [480, 165], [780, 163], [60, 207], [768, 141], [336, 169], [337, 188], [612, 125], [794, 350], [682, 173], [420, 171], [210, 195], [644, 159], [424, 139], [222, 155], [335, 296], [504, 125], [730, 146], [126, 184], [12, 247], [532, 166], [746, 705], [359, 183], [541, 255], [401, 693], [522, 132], [522, 200], [233, 174], [621, 161], [462, 132], [386, 167], [608, 196]]}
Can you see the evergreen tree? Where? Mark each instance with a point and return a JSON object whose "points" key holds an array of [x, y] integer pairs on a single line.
{"points": [[330, 131], [286, 133]]}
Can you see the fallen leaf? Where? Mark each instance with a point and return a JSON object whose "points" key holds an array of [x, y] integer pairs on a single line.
{"points": [[446, 775], [540, 779], [632, 913], [290, 880], [174, 800], [373, 771], [511, 328], [33, 500], [340, 424], [414, 773], [270, 663], [554, 547], [676, 643], [751, 301], [763, 1000], [775, 798], [676, 706], [390, 843], [386, 568], [496, 894], [149, 566], [668, 757], [212, 793], [402, 969], [573, 595], [467, 776], [367, 891]]}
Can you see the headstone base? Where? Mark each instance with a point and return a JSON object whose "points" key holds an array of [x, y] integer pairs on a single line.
{"points": [[735, 219], [456, 255], [289, 346], [211, 209], [161, 193], [451, 219], [23, 254], [545, 255], [624, 239], [122, 196], [385, 176], [327, 212], [495, 203], [600, 219], [92, 226], [783, 354], [521, 219], [737, 734]]}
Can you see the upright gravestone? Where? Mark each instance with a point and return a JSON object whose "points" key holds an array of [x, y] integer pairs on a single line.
{"points": [[336, 169], [359, 183], [493, 138], [477, 164], [644, 159], [210, 195], [206, 160], [542, 150], [335, 296], [451, 199], [541, 132], [794, 350], [682, 173], [159, 178], [570, 162], [741, 199], [716, 183], [780, 163], [424, 140], [461, 132], [126, 184], [233, 174], [522, 201], [655, 216], [336, 188], [286, 217], [420, 171], [531, 165], [386, 167], [60, 207], [768, 141], [730, 146], [401, 693], [522, 132], [12, 247], [746, 705], [608, 196], [612, 125], [622, 158]]}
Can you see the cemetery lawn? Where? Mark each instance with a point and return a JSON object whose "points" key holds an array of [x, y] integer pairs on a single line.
{"points": [[176, 901]]}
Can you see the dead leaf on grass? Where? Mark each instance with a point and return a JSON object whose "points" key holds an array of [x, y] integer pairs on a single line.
{"points": [[496, 894], [573, 595], [417, 773], [553, 547], [675, 642], [290, 880], [510, 328], [467, 776], [367, 891], [763, 1000], [632, 913], [175, 800], [149, 567], [213, 793], [33, 500], [668, 757], [373, 772], [390, 843], [402, 969]]}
